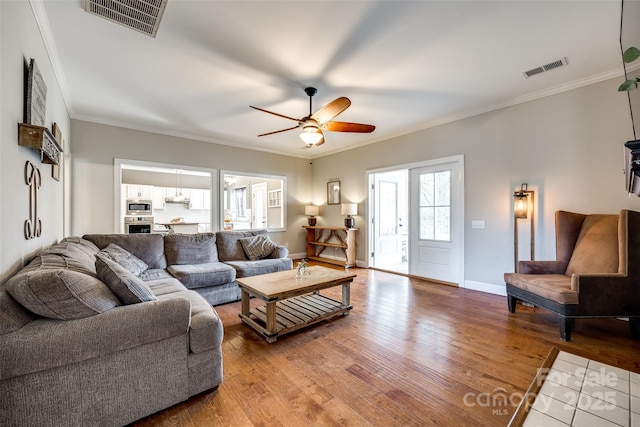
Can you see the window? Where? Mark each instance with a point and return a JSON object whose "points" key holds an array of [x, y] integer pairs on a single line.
{"points": [[435, 206], [240, 202], [253, 201], [275, 198]]}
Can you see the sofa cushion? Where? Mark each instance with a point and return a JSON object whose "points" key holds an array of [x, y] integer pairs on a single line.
{"points": [[61, 294], [257, 247], [261, 266], [148, 247], [596, 250], [229, 246], [13, 316], [190, 248], [71, 253], [555, 287], [203, 275], [124, 258], [155, 274], [128, 287], [165, 286]]}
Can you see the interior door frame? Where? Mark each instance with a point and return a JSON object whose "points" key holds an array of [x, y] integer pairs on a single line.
{"points": [[458, 206]]}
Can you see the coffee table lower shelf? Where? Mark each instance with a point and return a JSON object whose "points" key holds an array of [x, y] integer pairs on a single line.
{"points": [[294, 313]]}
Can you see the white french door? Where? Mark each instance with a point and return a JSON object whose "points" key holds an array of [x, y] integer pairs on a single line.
{"points": [[436, 223], [390, 225]]}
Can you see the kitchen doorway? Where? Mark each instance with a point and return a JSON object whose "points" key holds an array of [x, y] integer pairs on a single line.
{"points": [[181, 196]]}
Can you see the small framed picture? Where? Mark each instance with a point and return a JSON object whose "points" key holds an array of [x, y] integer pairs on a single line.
{"points": [[333, 193]]}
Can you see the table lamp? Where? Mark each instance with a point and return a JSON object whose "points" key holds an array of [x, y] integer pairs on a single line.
{"points": [[349, 209], [312, 211]]}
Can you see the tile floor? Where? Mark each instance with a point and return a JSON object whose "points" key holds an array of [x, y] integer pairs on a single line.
{"points": [[585, 393]]}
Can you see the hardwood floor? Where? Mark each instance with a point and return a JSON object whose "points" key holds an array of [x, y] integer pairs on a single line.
{"points": [[410, 353]]}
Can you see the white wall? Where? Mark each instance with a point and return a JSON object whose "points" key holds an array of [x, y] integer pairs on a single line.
{"points": [[96, 146], [567, 147], [21, 40]]}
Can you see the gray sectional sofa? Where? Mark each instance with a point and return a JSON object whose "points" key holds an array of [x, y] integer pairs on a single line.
{"points": [[106, 329], [207, 263]]}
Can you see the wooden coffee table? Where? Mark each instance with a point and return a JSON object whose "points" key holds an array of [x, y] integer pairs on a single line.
{"points": [[293, 303]]}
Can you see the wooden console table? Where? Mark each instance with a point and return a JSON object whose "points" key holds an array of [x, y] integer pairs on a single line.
{"points": [[319, 238]]}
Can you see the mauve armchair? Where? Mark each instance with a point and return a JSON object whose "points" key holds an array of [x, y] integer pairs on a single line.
{"points": [[596, 272]]}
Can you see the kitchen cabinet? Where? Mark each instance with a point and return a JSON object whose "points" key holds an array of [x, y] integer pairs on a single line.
{"points": [[159, 194], [135, 191], [200, 199]]}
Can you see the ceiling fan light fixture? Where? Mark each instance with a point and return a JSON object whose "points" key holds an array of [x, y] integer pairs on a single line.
{"points": [[311, 135]]}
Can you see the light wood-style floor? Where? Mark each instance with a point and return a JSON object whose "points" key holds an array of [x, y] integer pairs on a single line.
{"points": [[410, 353]]}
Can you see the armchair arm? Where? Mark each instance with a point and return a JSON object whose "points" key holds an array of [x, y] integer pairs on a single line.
{"points": [[46, 343], [542, 267], [611, 294], [280, 252]]}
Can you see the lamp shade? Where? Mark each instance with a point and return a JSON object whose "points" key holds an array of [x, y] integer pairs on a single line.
{"points": [[311, 135], [349, 209], [521, 206], [312, 210]]}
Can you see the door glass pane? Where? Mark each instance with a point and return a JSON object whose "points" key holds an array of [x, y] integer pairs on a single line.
{"points": [[426, 223], [443, 188], [426, 189], [435, 206], [442, 223]]}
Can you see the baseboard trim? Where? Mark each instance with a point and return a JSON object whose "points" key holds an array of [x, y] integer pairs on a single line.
{"points": [[485, 287]]}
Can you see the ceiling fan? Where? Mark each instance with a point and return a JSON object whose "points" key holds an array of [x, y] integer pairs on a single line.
{"points": [[313, 124]]}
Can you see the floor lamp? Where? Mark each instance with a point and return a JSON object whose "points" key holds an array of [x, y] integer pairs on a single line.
{"points": [[522, 209]]}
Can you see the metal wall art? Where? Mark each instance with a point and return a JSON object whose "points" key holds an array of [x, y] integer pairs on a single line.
{"points": [[32, 226]]}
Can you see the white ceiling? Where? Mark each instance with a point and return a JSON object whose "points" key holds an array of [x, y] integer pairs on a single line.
{"points": [[405, 65]]}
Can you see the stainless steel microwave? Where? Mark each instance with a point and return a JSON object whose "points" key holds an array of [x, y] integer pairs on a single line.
{"points": [[139, 207]]}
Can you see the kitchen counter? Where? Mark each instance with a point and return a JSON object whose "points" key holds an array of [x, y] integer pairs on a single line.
{"points": [[181, 227]]}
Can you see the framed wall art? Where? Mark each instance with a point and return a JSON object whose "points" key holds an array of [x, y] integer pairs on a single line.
{"points": [[333, 193], [36, 96]]}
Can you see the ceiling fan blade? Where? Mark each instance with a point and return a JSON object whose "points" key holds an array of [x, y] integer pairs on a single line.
{"points": [[275, 114], [348, 127], [331, 110], [278, 131]]}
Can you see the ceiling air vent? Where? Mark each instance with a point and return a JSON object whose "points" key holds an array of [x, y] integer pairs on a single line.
{"points": [[141, 15], [548, 67]]}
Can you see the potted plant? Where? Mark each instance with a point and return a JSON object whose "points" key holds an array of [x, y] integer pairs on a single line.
{"points": [[628, 57]]}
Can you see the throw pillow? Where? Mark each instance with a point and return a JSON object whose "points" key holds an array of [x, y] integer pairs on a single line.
{"points": [[124, 258], [258, 247], [128, 287], [62, 294]]}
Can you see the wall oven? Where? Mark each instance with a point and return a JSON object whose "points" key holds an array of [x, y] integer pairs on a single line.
{"points": [[138, 224], [139, 207]]}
